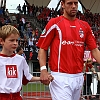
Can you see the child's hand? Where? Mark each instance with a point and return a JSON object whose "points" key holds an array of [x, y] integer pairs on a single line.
{"points": [[46, 77], [51, 78]]}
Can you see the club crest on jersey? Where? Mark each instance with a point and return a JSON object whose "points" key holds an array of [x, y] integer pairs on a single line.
{"points": [[81, 33], [11, 71], [43, 32]]}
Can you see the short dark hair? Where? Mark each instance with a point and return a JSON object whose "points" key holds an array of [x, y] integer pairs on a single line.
{"points": [[62, 0], [18, 49]]}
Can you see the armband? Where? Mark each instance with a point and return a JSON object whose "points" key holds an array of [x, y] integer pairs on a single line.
{"points": [[42, 68]]}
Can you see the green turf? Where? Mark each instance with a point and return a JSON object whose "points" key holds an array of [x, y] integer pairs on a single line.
{"points": [[34, 87]]}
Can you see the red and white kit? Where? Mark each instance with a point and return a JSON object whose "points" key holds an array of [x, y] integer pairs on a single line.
{"points": [[11, 73], [67, 40]]}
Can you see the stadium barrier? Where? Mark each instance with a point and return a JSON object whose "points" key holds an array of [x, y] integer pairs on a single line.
{"points": [[90, 86], [35, 90]]}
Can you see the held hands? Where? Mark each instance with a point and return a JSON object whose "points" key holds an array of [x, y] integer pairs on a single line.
{"points": [[51, 78], [45, 77]]}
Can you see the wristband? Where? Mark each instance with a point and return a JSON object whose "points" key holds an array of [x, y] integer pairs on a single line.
{"points": [[42, 68]]}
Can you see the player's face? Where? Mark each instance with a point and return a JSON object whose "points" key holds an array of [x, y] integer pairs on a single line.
{"points": [[10, 44], [70, 8]]}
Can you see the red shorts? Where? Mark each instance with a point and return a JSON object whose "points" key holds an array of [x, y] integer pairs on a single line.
{"points": [[11, 96]]}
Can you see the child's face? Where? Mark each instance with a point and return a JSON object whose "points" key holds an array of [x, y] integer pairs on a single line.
{"points": [[10, 44]]}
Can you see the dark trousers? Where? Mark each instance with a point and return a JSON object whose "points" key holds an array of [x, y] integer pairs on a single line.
{"points": [[98, 89], [87, 85]]}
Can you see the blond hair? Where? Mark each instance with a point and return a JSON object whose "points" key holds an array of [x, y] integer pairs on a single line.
{"points": [[89, 60], [7, 30]]}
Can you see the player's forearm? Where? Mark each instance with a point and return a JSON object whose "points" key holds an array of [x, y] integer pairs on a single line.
{"points": [[34, 79], [96, 55], [42, 57]]}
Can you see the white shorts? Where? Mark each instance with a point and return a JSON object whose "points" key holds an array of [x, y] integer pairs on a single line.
{"points": [[66, 86]]}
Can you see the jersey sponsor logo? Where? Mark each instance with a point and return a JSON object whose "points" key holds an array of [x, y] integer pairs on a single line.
{"points": [[75, 43], [67, 42], [11, 71], [81, 33], [43, 32]]}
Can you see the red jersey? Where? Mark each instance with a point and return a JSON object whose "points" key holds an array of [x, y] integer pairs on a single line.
{"points": [[66, 40], [88, 67]]}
